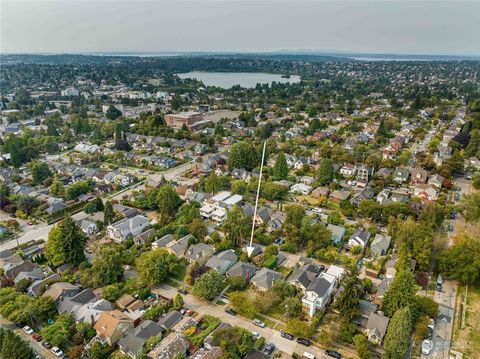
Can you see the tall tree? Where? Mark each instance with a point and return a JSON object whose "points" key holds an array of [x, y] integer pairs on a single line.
{"points": [[242, 155], [113, 113], [209, 285], [40, 172], [66, 243], [213, 183], [470, 207], [108, 214], [325, 172], [400, 294], [13, 346], [168, 202], [348, 302], [280, 170], [107, 265], [236, 226], [156, 265], [397, 339]]}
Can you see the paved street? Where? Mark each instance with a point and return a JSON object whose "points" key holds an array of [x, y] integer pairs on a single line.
{"points": [[36, 346], [270, 335]]}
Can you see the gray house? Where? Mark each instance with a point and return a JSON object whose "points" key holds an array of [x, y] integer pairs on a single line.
{"points": [[265, 278], [134, 340], [242, 269], [223, 261], [380, 244]]}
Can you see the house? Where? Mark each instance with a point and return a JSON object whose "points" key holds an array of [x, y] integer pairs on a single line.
{"points": [[171, 346], [401, 175], [348, 170], [364, 174], [303, 275], [180, 247], [425, 192], [276, 221], [383, 195], [336, 271], [74, 303], [125, 301], [55, 207], [88, 226], [35, 289], [90, 312], [163, 242], [380, 245], [364, 194], [133, 342], [436, 181], [142, 238], [60, 290], [127, 228], [359, 238], [320, 192], [419, 175], [222, 261], [337, 232], [112, 325], [170, 319], [339, 196], [199, 252], [301, 162], [318, 294], [243, 270], [264, 279], [376, 327], [241, 173], [301, 188]]}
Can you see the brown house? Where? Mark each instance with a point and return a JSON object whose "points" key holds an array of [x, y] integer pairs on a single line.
{"points": [[112, 325]]}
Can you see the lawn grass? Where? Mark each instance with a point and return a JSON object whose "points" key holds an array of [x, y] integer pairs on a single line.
{"points": [[285, 271], [467, 338], [180, 274], [173, 283]]}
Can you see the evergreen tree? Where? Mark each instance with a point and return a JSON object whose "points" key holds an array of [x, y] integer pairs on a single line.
{"points": [[13, 346], [107, 265], [40, 172], [57, 188], [397, 340], [348, 302], [168, 202], [242, 155], [213, 183], [108, 214], [236, 227], [325, 172], [400, 294], [113, 113], [280, 170]]}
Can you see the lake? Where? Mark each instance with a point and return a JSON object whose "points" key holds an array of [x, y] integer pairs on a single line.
{"points": [[244, 79]]}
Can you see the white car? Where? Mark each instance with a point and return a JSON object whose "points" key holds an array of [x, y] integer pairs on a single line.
{"points": [[259, 323], [317, 210], [256, 335], [427, 346], [57, 351], [28, 330]]}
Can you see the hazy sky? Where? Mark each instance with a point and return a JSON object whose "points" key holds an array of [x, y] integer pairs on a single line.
{"points": [[420, 27]]}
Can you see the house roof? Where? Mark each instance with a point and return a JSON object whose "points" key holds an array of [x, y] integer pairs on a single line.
{"points": [[135, 338], [199, 251], [321, 285], [377, 324], [170, 319], [242, 269], [304, 274], [57, 289], [170, 346], [108, 322], [381, 242], [265, 277]]}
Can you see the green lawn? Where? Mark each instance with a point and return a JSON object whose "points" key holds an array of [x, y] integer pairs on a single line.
{"points": [[180, 274]]}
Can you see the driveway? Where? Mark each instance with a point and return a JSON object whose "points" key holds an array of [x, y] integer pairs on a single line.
{"points": [[444, 322], [270, 335], [36, 346]]}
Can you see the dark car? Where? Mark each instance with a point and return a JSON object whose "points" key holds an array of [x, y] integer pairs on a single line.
{"points": [[19, 325], [269, 348], [182, 291], [333, 353], [304, 341], [231, 311], [286, 335], [47, 345], [439, 287]]}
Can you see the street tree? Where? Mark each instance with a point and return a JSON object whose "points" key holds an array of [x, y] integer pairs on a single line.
{"points": [[397, 339]]}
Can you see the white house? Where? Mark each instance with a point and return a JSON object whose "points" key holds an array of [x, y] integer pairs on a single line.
{"points": [[318, 293], [301, 188], [348, 170], [127, 228], [359, 238]]}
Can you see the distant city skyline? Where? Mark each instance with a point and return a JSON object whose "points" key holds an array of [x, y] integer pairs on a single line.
{"points": [[388, 27]]}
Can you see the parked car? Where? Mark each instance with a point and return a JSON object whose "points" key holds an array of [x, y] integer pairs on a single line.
{"points": [[286, 335], [256, 335], [308, 355], [37, 337], [439, 279], [19, 325], [317, 210], [427, 346], [57, 351], [182, 291], [28, 330], [47, 345], [304, 341], [259, 323], [269, 348], [231, 311], [333, 353], [450, 228], [189, 312], [439, 288]]}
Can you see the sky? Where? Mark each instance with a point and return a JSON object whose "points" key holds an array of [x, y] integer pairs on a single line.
{"points": [[398, 27]]}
